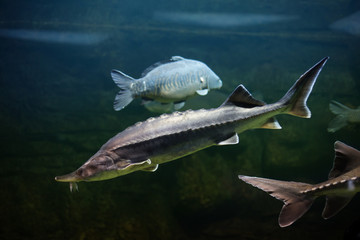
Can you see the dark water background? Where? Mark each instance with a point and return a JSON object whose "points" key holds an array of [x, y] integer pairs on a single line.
{"points": [[56, 111]]}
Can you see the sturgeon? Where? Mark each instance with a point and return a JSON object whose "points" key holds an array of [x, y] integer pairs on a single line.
{"points": [[147, 144], [343, 184]]}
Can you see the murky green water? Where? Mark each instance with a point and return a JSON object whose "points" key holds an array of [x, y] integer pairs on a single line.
{"points": [[56, 98]]}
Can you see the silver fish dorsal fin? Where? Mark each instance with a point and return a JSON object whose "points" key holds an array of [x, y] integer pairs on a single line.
{"points": [[241, 97], [202, 92], [157, 64], [176, 58], [346, 159]]}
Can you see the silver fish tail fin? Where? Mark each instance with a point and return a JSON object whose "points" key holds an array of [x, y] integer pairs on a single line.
{"points": [[342, 116], [298, 94], [296, 202], [124, 96]]}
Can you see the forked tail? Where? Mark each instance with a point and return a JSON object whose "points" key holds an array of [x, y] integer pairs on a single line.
{"points": [[296, 201], [295, 99], [124, 96]]}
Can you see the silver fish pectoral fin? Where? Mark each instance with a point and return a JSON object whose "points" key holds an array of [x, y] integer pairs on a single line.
{"points": [[202, 92]]}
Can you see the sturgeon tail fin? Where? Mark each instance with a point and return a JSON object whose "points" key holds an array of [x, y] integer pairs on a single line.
{"points": [[124, 96], [342, 116], [298, 94], [296, 201]]}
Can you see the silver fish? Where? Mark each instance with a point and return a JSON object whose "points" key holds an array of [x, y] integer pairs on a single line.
{"points": [[343, 184], [165, 82], [147, 144], [344, 115]]}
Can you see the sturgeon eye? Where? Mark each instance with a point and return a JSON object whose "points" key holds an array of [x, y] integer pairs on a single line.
{"points": [[202, 79]]}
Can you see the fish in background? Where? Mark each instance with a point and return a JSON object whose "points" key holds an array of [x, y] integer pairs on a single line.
{"points": [[344, 115], [343, 184], [349, 24], [221, 20], [145, 145], [52, 36], [167, 82]]}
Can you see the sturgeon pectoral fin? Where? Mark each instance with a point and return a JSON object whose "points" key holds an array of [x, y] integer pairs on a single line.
{"points": [[202, 92], [234, 139], [151, 169], [128, 164]]}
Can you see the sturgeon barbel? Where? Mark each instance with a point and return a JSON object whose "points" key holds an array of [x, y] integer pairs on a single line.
{"points": [[167, 83], [147, 144], [343, 184]]}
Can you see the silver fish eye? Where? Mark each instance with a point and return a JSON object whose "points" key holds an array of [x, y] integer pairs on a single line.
{"points": [[202, 79]]}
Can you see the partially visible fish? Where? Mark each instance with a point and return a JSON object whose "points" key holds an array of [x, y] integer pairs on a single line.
{"points": [[221, 20], [171, 81], [349, 24], [147, 144], [343, 184], [52, 36], [344, 116]]}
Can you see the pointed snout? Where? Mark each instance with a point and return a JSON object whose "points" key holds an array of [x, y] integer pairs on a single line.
{"points": [[71, 177]]}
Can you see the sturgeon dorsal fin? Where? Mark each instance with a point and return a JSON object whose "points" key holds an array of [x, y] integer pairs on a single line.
{"points": [[346, 159], [157, 64], [241, 97]]}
